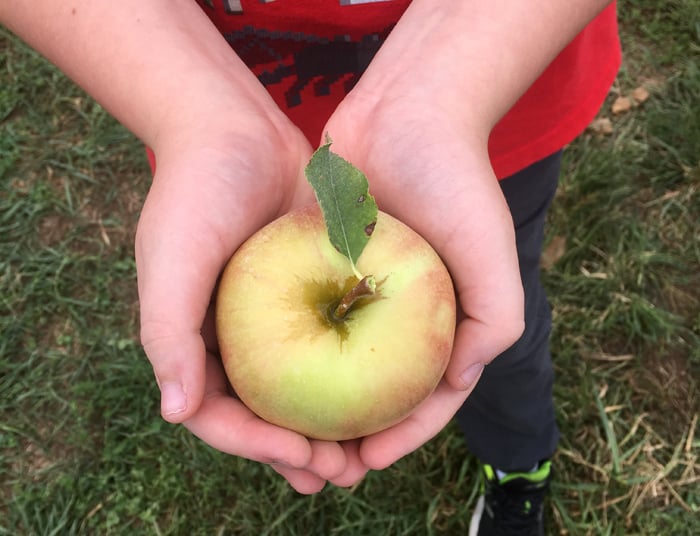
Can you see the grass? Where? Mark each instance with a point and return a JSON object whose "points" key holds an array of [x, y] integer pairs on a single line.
{"points": [[83, 451]]}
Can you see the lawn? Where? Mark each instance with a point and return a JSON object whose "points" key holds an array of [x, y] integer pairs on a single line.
{"points": [[84, 451]]}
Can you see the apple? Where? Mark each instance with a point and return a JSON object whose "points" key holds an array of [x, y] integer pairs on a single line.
{"points": [[297, 362]]}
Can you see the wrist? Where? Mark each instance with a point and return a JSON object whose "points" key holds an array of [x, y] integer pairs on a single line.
{"points": [[233, 125], [370, 126], [474, 59]]}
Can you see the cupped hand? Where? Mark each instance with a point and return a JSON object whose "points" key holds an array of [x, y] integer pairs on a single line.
{"points": [[211, 190], [428, 168]]}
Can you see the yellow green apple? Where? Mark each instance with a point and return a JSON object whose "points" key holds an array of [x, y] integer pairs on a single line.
{"points": [[298, 360]]}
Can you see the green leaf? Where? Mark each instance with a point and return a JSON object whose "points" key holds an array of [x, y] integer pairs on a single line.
{"points": [[349, 210]]}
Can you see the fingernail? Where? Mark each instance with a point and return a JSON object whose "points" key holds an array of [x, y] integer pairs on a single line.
{"points": [[172, 398], [472, 373]]}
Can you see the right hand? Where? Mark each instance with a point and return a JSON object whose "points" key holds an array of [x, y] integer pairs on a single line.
{"points": [[212, 189]]}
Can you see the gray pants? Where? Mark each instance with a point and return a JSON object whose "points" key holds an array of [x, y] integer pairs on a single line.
{"points": [[508, 421]]}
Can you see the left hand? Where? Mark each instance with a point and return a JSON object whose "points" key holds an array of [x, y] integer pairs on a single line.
{"points": [[432, 172], [418, 124]]}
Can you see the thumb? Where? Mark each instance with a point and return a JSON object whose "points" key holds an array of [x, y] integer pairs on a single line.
{"points": [[177, 358], [485, 270], [177, 266], [491, 315]]}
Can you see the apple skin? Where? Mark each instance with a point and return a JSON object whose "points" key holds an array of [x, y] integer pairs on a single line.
{"points": [[294, 367]]}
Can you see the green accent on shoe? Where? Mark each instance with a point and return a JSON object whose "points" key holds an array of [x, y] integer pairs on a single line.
{"points": [[540, 475]]}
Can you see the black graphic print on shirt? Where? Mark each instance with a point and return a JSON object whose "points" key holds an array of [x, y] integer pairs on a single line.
{"points": [[304, 60], [297, 61]]}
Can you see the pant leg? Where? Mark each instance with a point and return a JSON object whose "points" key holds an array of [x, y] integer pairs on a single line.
{"points": [[508, 421]]}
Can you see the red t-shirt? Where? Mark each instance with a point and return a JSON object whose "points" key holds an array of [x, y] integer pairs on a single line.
{"points": [[310, 53]]}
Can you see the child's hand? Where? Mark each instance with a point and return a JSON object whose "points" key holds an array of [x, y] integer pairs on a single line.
{"points": [[429, 171], [209, 194], [418, 124]]}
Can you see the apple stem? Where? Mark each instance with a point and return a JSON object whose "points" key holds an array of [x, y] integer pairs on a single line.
{"points": [[363, 289]]}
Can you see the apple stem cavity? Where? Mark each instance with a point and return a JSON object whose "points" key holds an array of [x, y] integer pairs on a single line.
{"points": [[365, 288]]}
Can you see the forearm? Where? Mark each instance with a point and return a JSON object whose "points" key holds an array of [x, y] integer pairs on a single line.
{"points": [[160, 66], [473, 58]]}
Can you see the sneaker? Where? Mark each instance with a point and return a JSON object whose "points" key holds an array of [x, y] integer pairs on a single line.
{"points": [[512, 504]]}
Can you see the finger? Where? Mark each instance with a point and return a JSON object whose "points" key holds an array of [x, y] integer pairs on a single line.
{"points": [[224, 423], [490, 296], [176, 356], [480, 343], [327, 459], [355, 469], [178, 257], [382, 449], [482, 259], [303, 481], [173, 297]]}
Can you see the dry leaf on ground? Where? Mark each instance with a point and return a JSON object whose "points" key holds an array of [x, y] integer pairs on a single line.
{"points": [[553, 252], [621, 105], [640, 94], [601, 125]]}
